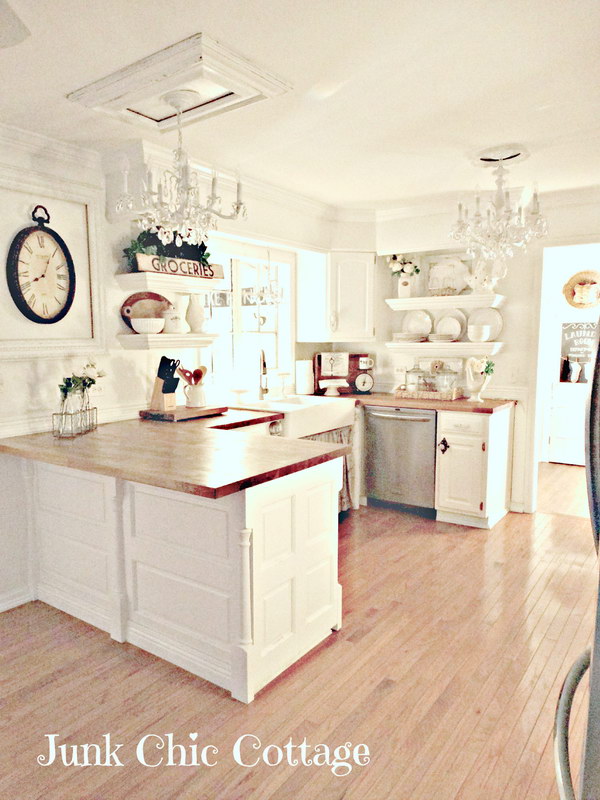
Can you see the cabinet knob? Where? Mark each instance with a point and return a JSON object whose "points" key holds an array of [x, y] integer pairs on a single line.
{"points": [[443, 446]]}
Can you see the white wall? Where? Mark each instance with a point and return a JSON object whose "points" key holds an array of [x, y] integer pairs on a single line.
{"points": [[573, 216], [29, 386]]}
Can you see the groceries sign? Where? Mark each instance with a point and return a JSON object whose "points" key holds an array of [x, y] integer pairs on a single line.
{"points": [[178, 266]]}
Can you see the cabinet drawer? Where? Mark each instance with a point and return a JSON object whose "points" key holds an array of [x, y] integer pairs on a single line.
{"points": [[461, 422]]}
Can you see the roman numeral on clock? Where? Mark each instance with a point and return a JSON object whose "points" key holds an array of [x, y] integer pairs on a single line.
{"points": [[41, 240]]}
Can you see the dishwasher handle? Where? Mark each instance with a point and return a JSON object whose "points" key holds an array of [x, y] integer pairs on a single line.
{"points": [[402, 417]]}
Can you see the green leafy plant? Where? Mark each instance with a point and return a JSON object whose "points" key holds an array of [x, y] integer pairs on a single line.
{"points": [[79, 384], [148, 243], [139, 245], [489, 367]]}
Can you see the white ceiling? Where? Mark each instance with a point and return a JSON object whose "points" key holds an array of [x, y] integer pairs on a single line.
{"points": [[390, 97]]}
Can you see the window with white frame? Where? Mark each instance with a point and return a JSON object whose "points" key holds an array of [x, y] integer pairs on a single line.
{"points": [[253, 312]]}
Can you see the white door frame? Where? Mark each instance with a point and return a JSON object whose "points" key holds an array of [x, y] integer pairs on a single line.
{"points": [[543, 377]]}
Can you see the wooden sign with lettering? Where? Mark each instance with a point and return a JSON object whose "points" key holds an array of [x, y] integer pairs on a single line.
{"points": [[178, 266]]}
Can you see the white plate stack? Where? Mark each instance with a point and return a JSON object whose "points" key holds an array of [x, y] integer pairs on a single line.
{"points": [[441, 337], [409, 337]]}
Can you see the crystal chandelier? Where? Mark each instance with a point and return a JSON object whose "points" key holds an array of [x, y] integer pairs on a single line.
{"points": [[504, 229], [173, 210]]}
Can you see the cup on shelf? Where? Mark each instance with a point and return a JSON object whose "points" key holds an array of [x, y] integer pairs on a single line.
{"points": [[479, 333]]}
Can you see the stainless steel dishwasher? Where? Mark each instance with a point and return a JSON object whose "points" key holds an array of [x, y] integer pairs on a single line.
{"points": [[400, 455]]}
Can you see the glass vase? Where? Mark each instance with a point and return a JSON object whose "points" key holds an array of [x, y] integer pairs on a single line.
{"points": [[89, 413], [66, 424]]}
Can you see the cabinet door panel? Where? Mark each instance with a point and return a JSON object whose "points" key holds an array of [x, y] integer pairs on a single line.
{"points": [[351, 296], [460, 475]]}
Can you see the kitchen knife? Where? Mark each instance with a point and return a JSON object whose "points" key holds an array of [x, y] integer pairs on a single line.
{"points": [[163, 368], [172, 367], [169, 385]]}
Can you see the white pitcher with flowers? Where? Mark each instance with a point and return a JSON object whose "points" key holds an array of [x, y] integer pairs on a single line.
{"points": [[404, 270]]}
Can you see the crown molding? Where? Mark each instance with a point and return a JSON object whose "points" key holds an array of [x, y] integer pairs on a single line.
{"points": [[139, 152], [38, 145], [437, 204], [349, 214]]}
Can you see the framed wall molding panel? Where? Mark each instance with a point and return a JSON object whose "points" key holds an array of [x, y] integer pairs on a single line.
{"points": [[75, 213]]}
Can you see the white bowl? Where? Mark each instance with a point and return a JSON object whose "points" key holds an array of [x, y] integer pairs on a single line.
{"points": [[479, 333], [147, 324]]}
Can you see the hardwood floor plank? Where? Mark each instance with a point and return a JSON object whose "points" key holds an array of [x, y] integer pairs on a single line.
{"points": [[454, 645]]}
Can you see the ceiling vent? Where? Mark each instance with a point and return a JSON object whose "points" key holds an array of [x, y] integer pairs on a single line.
{"points": [[222, 79]]}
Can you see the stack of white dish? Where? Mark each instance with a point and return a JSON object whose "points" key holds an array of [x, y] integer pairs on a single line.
{"points": [[485, 325], [479, 333], [441, 337], [452, 325], [409, 337]]}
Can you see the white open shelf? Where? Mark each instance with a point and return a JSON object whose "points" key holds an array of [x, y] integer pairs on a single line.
{"points": [[488, 300], [166, 341], [155, 282], [447, 349]]}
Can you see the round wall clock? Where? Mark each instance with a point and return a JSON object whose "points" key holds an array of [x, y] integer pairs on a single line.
{"points": [[40, 271]]}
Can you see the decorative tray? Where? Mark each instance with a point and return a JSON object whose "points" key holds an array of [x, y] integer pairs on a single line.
{"points": [[445, 394]]}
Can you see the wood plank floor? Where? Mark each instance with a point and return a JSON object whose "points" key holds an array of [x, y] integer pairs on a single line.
{"points": [[454, 646]]}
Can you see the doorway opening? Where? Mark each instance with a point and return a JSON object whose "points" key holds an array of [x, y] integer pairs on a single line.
{"points": [[570, 306]]}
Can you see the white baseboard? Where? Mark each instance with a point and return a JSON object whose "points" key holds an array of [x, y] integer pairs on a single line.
{"points": [[485, 523], [17, 597], [211, 669], [91, 613]]}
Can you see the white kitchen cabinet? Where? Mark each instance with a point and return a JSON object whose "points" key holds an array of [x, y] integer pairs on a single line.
{"points": [[473, 466], [335, 297], [234, 589]]}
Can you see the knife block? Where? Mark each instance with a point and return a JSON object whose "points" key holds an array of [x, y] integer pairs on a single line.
{"points": [[160, 401]]}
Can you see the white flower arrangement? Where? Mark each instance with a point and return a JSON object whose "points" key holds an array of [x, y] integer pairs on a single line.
{"points": [[79, 384], [402, 266]]}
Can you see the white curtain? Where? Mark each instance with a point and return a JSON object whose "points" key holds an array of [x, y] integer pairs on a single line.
{"points": [[341, 436]]}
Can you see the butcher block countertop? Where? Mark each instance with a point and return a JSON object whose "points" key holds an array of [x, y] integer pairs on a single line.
{"points": [[196, 456], [380, 399]]}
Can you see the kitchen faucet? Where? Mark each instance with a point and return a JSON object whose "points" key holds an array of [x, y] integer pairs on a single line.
{"points": [[262, 387]]}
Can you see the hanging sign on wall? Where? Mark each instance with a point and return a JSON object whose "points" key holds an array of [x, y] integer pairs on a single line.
{"points": [[178, 266], [577, 351]]}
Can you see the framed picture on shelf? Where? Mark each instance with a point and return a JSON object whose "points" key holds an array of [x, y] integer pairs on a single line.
{"points": [[446, 275]]}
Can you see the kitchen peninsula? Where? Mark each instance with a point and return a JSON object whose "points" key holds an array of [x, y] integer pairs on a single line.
{"points": [[203, 542]]}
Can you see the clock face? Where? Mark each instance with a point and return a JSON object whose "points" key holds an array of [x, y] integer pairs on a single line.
{"points": [[364, 382], [40, 274]]}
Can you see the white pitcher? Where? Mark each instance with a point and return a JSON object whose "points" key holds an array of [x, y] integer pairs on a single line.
{"points": [[194, 395]]}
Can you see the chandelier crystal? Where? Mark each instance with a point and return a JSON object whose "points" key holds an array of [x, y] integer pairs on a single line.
{"points": [[173, 210], [503, 230]]}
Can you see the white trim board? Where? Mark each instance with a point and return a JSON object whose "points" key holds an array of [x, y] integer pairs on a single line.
{"points": [[43, 422], [18, 597]]}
